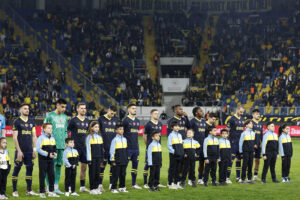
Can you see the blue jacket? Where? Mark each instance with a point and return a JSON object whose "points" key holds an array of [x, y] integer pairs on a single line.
{"points": [[118, 150], [247, 141], [154, 153], [70, 157], [269, 143], [191, 148], [211, 148], [285, 145], [225, 149], [94, 147], [175, 145], [44, 145]]}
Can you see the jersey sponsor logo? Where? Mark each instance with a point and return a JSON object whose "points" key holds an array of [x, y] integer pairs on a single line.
{"points": [[31, 125], [86, 124], [81, 131], [26, 125], [109, 130], [133, 130], [114, 123], [82, 124], [25, 132], [60, 126]]}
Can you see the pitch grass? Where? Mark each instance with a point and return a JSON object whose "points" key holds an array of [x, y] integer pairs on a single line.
{"points": [[234, 191]]}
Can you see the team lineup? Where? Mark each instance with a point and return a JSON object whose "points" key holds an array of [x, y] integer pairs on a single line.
{"points": [[108, 142]]}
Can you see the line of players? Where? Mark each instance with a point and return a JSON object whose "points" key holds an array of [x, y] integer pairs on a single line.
{"points": [[24, 136]]}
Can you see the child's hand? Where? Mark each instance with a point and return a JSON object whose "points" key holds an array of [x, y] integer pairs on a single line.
{"points": [[282, 158], [51, 155], [185, 155], [33, 155], [218, 160], [265, 157], [55, 155], [74, 166], [113, 164], [255, 146], [101, 165], [206, 161]]}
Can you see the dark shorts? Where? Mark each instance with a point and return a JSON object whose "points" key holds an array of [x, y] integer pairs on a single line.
{"points": [[257, 153], [235, 151], [82, 155], [201, 156], [27, 159], [106, 158], [133, 155]]}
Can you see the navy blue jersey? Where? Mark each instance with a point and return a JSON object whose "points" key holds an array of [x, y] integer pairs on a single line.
{"points": [[236, 126], [107, 129], [25, 129], [183, 123], [151, 127], [131, 131], [258, 130], [198, 127], [79, 129], [207, 125]]}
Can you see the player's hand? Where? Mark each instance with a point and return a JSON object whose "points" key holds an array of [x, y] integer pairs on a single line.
{"points": [[265, 157], [255, 146], [33, 155], [206, 161], [55, 155], [74, 166], [260, 146], [20, 156], [51, 155], [185, 114]]}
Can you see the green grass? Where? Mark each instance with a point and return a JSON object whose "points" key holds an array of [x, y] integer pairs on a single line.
{"points": [[234, 191]]}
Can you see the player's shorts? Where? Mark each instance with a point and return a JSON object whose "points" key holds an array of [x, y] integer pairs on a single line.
{"points": [[82, 155], [27, 159], [257, 153], [133, 155], [235, 151], [58, 161], [106, 158]]}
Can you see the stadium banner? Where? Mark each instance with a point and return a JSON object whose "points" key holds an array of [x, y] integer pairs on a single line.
{"points": [[294, 130], [196, 5], [173, 61], [174, 84], [268, 118]]}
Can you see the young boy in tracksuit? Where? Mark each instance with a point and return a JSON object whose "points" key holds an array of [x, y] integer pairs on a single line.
{"points": [[191, 153], [225, 156], [46, 148], [286, 151], [4, 167], [176, 153], [211, 155], [119, 160], [270, 152], [246, 148], [154, 161], [70, 159], [95, 156]]}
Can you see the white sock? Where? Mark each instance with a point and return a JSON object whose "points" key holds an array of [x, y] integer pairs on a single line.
{"points": [[55, 187]]}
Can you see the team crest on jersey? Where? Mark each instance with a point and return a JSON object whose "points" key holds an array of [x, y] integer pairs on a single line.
{"points": [[59, 120], [31, 125]]}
